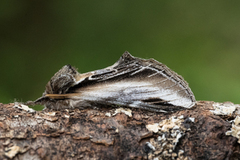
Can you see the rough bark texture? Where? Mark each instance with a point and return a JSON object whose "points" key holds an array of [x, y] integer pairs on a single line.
{"points": [[103, 133]]}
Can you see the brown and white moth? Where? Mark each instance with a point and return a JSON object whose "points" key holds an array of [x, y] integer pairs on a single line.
{"points": [[131, 82]]}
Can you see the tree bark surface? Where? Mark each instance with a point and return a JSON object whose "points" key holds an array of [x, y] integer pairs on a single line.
{"points": [[118, 133]]}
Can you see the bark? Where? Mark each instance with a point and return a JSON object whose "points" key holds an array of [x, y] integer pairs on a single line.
{"points": [[119, 133]]}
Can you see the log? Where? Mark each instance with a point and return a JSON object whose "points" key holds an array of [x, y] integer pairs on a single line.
{"points": [[209, 130]]}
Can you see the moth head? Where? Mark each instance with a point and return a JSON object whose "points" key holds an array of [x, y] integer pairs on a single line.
{"points": [[62, 80]]}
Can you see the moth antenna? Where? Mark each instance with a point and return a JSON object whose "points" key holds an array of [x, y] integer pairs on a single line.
{"points": [[61, 96]]}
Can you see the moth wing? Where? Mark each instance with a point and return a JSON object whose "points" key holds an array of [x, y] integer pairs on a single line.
{"points": [[143, 88]]}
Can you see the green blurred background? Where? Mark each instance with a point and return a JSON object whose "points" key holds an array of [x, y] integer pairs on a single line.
{"points": [[200, 40]]}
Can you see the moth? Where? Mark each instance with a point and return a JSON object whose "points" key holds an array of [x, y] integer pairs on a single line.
{"points": [[131, 82]]}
